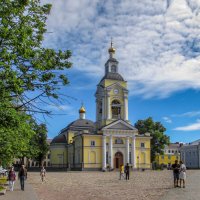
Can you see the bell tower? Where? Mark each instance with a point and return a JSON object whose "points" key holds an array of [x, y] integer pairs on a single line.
{"points": [[112, 94]]}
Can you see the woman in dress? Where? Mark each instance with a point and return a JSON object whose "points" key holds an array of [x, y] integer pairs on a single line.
{"points": [[182, 175], [11, 178]]}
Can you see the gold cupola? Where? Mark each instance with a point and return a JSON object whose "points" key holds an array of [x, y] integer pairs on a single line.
{"points": [[82, 112], [111, 50], [82, 109]]}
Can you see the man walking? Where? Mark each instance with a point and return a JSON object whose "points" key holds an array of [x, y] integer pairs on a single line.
{"points": [[22, 176], [127, 171], [176, 168]]}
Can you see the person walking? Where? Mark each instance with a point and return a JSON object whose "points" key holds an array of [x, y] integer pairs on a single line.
{"points": [[22, 176], [121, 171], [127, 171], [11, 178], [182, 175], [176, 168], [43, 173]]}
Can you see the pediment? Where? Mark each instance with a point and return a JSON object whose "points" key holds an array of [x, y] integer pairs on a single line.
{"points": [[116, 85], [119, 125]]}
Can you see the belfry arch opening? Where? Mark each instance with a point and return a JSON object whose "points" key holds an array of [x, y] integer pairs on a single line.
{"points": [[116, 109]]}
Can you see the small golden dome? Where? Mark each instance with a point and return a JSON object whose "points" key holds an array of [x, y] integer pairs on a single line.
{"points": [[111, 49], [82, 110]]}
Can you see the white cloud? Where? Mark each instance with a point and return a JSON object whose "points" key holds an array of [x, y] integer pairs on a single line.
{"points": [[167, 119], [55, 107], [157, 42], [187, 114], [192, 127]]}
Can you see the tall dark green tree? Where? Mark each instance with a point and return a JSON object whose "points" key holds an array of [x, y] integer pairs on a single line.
{"points": [[156, 130], [38, 144]]}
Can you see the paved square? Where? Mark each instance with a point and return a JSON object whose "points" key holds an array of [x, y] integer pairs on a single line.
{"points": [[147, 185]]}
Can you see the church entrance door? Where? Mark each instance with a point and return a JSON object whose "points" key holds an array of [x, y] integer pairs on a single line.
{"points": [[118, 160]]}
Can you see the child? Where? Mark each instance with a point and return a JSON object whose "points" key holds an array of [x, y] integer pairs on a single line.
{"points": [[121, 170], [43, 173]]}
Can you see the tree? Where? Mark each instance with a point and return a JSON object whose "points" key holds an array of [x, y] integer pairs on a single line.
{"points": [[38, 144], [29, 73], [26, 66], [15, 133], [156, 129]]}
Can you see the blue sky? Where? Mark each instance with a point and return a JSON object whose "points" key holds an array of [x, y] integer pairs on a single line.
{"points": [[158, 48]]}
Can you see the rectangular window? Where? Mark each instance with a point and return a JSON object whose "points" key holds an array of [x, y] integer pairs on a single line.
{"points": [[130, 157], [92, 143], [169, 157], [142, 145], [106, 157], [163, 157]]}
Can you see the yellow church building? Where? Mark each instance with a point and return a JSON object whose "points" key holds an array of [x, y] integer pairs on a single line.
{"points": [[111, 140]]}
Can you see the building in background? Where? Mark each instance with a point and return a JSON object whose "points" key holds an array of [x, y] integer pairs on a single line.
{"points": [[171, 153], [111, 140], [190, 154]]}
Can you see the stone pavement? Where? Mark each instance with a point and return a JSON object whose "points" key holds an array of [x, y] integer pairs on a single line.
{"points": [[191, 192], [18, 194]]}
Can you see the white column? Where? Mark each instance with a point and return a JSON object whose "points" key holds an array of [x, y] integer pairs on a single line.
{"points": [[111, 152], [133, 152], [108, 107], [127, 150], [97, 111], [103, 108], [103, 152], [125, 107]]}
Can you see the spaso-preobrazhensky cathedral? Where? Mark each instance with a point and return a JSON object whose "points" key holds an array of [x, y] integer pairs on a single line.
{"points": [[111, 140]]}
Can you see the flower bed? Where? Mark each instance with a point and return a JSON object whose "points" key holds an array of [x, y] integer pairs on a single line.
{"points": [[3, 182]]}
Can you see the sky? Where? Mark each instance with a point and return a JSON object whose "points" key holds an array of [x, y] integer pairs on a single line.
{"points": [[157, 45]]}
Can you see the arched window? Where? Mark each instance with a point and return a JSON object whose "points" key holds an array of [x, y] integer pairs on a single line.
{"points": [[113, 68], [119, 141], [116, 109]]}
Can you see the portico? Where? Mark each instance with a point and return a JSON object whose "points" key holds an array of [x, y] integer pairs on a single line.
{"points": [[118, 137]]}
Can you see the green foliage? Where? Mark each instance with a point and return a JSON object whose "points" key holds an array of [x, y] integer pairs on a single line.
{"points": [[28, 72], [156, 129], [24, 64], [38, 144], [15, 133]]}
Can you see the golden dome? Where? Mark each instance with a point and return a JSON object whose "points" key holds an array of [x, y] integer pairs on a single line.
{"points": [[82, 109], [111, 49]]}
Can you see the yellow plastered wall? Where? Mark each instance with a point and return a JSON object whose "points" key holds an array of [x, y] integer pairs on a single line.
{"points": [[167, 158], [70, 137], [143, 154], [58, 155], [92, 154]]}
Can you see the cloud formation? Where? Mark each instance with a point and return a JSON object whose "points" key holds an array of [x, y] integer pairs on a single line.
{"points": [[167, 119], [157, 42], [188, 114], [192, 127]]}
